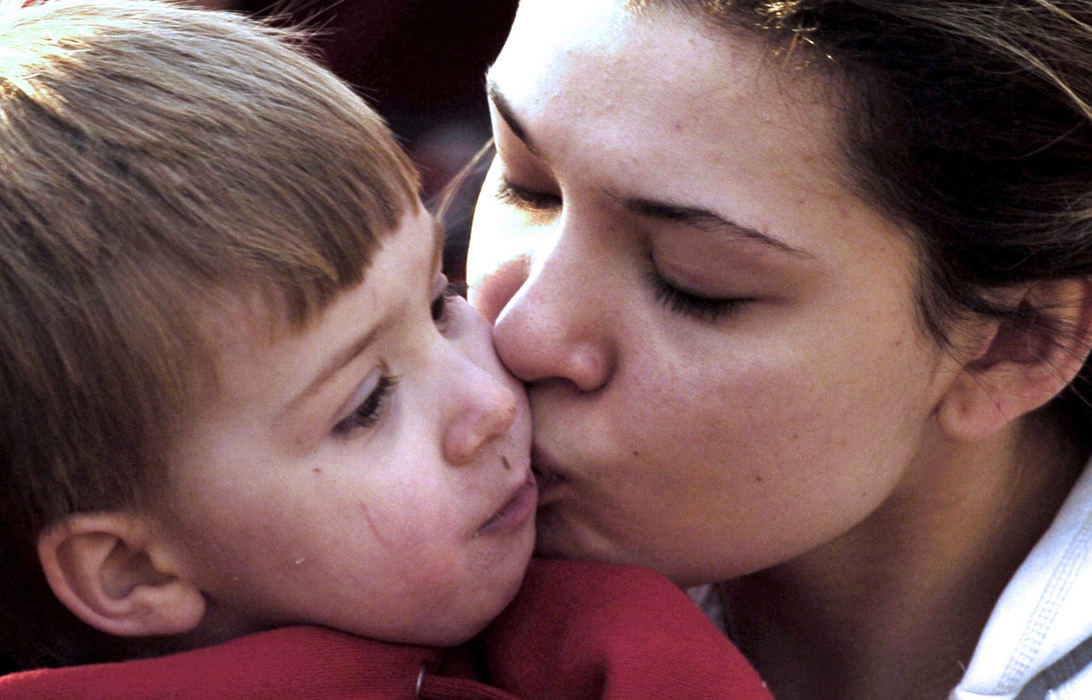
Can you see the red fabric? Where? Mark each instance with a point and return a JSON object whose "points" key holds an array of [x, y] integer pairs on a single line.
{"points": [[585, 630], [577, 630], [296, 663]]}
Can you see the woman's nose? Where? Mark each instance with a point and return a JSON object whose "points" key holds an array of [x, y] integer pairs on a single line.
{"points": [[483, 411], [555, 326]]}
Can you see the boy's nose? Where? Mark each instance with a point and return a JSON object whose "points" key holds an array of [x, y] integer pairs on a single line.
{"points": [[487, 412]]}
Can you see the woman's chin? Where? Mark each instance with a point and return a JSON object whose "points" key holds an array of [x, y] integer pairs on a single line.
{"points": [[559, 536]]}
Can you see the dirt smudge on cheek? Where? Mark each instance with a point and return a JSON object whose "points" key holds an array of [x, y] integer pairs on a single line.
{"points": [[403, 569], [376, 532]]}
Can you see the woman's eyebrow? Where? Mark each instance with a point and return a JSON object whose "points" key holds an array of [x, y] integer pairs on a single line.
{"points": [[504, 109], [705, 219], [696, 217]]}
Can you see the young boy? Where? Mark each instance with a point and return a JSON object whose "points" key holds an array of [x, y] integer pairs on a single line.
{"points": [[250, 446]]}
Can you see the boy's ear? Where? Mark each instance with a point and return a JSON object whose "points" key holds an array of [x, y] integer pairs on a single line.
{"points": [[1015, 370], [110, 570]]}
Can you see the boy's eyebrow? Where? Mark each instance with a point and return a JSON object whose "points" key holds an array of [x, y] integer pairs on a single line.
{"points": [[343, 357], [504, 109], [333, 365]]}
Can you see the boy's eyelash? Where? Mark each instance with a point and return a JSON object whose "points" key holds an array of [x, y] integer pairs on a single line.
{"points": [[706, 309], [369, 411], [440, 305]]}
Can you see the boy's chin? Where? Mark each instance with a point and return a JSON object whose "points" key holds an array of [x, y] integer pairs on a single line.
{"points": [[488, 610]]}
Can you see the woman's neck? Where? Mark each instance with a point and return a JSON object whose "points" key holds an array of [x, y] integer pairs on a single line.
{"points": [[894, 608]]}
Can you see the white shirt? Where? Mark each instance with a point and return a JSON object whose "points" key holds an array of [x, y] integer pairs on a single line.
{"points": [[1038, 641]]}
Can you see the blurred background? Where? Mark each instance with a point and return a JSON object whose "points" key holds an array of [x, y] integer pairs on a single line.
{"points": [[421, 64]]}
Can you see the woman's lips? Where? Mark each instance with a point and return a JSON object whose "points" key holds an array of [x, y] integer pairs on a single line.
{"points": [[516, 511], [546, 472], [547, 479]]}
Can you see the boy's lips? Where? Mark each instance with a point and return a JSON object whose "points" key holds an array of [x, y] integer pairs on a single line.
{"points": [[519, 507]]}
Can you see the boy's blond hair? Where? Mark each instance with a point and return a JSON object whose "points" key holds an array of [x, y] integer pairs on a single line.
{"points": [[152, 156]]}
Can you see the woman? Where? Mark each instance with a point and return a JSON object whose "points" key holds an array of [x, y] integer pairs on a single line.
{"points": [[802, 293]]}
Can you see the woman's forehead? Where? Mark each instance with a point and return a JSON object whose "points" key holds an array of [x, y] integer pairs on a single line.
{"points": [[608, 59], [649, 95], [659, 107]]}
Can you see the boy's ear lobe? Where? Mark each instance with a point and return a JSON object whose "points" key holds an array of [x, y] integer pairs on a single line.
{"points": [[1015, 370], [110, 571]]}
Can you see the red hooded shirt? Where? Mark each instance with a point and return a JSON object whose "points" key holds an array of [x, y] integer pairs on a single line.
{"points": [[576, 630]]}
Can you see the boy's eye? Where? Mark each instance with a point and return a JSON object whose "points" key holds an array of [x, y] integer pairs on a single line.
{"points": [[439, 308], [370, 409], [441, 304]]}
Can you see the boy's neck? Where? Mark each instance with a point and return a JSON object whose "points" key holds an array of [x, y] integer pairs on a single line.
{"points": [[894, 608]]}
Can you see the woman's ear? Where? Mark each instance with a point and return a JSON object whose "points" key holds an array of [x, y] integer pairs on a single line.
{"points": [[111, 571], [1015, 368]]}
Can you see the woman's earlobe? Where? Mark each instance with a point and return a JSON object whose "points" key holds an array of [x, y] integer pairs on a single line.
{"points": [[1021, 367], [109, 570]]}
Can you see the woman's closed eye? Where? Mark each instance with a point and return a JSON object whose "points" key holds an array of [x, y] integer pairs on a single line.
{"points": [[368, 412], [706, 309], [524, 198]]}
